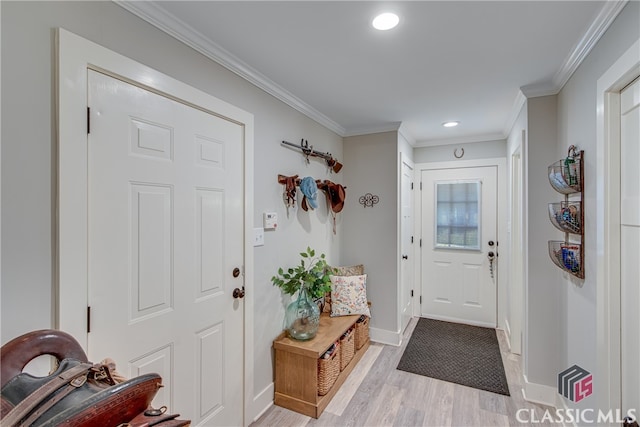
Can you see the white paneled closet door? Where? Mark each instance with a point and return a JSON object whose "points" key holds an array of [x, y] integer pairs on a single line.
{"points": [[165, 235]]}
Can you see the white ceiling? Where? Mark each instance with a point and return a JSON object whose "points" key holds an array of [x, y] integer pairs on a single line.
{"points": [[469, 61]]}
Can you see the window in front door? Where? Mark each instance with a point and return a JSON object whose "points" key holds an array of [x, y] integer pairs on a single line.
{"points": [[457, 215]]}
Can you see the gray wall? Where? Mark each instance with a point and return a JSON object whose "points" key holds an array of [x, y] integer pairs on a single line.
{"points": [[543, 308], [370, 235], [29, 161], [472, 151]]}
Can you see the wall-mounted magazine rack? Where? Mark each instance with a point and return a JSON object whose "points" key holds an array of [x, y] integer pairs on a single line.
{"points": [[566, 176]]}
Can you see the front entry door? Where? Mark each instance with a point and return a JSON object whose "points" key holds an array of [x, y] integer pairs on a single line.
{"points": [[630, 246], [165, 235], [459, 233]]}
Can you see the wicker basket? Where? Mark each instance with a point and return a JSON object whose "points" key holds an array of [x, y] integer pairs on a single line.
{"points": [[347, 348], [362, 333], [328, 371]]}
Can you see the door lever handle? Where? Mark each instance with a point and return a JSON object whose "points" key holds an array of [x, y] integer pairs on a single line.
{"points": [[491, 257], [238, 293], [405, 256]]}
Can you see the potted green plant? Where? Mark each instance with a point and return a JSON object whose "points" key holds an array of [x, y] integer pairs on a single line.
{"points": [[310, 279]]}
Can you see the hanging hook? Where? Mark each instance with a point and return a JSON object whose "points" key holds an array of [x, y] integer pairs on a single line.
{"points": [[306, 150]]}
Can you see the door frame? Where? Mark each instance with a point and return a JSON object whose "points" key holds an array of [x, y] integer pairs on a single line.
{"points": [[75, 56], [513, 323], [501, 223], [608, 293]]}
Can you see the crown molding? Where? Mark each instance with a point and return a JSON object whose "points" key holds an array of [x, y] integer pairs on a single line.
{"points": [[596, 30], [598, 27], [367, 130], [539, 89], [407, 135], [460, 140], [518, 103], [163, 20]]}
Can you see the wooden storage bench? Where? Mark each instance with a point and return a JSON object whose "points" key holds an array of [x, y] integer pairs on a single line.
{"points": [[296, 375]]}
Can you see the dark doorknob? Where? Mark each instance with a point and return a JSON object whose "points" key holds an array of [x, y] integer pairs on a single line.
{"points": [[405, 256], [238, 293]]}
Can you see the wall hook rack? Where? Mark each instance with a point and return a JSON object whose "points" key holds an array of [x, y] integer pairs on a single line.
{"points": [[308, 151]]}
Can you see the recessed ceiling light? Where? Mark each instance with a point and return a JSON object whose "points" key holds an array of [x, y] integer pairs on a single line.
{"points": [[385, 21], [450, 124]]}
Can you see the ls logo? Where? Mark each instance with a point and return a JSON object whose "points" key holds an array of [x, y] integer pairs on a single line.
{"points": [[575, 383]]}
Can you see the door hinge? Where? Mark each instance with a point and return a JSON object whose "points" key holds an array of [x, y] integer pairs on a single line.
{"points": [[411, 239], [420, 185], [88, 319], [412, 185], [420, 242], [420, 299], [411, 293], [88, 120]]}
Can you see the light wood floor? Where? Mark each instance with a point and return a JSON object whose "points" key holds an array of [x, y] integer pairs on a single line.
{"points": [[377, 394]]}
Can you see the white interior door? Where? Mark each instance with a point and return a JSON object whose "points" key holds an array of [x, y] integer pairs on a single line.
{"points": [[459, 229], [630, 245], [406, 244], [165, 234]]}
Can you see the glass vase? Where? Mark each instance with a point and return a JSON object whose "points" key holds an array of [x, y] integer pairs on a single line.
{"points": [[302, 317]]}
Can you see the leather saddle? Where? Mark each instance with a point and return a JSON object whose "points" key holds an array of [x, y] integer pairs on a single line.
{"points": [[290, 183], [77, 393]]}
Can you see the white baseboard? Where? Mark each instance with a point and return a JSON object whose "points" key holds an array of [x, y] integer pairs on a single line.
{"points": [[507, 329], [538, 393], [508, 341], [384, 336], [507, 332], [262, 401]]}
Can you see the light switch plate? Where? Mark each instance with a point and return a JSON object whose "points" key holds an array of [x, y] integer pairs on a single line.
{"points": [[258, 236]]}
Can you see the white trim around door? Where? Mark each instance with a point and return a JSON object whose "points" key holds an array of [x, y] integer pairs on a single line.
{"points": [[75, 57], [609, 85], [515, 316]]}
